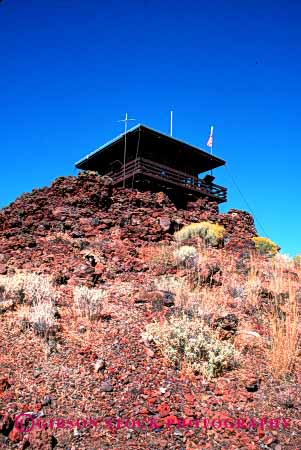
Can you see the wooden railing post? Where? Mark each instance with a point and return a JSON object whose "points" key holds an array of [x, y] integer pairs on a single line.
{"points": [[167, 174]]}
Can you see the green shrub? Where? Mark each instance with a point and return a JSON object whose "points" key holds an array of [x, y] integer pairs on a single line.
{"points": [[212, 233], [185, 255], [265, 246], [191, 341]]}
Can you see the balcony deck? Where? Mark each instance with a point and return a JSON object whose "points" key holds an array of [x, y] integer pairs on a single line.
{"points": [[167, 176]]}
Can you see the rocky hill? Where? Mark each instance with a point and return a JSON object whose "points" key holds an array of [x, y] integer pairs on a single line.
{"points": [[115, 336], [82, 229]]}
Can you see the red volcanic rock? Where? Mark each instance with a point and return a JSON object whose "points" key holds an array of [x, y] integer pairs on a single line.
{"points": [[3, 269], [143, 411], [165, 223], [106, 387], [170, 420], [163, 409], [4, 384], [149, 352], [39, 440], [99, 268], [189, 398], [15, 435], [53, 229], [6, 423], [187, 411]]}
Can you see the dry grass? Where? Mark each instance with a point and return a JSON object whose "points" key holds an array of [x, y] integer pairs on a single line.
{"points": [[28, 287], [159, 255], [264, 294], [89, 303], [42, 317], [285, 338], [35, 296], [284, 317], [279, 278]]}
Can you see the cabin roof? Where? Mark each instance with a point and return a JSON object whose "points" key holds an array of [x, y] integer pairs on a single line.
{"points": [[159, 143]]}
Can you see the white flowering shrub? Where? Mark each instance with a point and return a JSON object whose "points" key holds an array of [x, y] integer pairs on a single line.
{"points": [[191, 341], [169, 283], [185, 255]]}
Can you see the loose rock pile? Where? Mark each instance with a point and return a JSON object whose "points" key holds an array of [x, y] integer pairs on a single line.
{"points": [[81, 229]]}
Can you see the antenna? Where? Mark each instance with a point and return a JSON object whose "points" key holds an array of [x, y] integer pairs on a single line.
{"points": [[125, 120], [171, 119]]}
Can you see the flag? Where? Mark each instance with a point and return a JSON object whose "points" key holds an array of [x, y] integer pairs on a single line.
{"points": [[210, 140]]}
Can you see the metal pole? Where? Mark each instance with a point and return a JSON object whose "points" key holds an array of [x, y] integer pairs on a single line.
{"points": [[171, 118], [124, 153], [211, 132]]}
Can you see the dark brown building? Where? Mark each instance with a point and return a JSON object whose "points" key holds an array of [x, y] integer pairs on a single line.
{"points": [[157, 162]]}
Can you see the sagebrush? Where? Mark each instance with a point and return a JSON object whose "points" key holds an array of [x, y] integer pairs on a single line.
{"points": [[190, 341], [212, 233], [185, 255], [265, 246]]}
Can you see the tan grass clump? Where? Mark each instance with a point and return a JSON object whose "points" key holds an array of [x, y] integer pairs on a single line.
{"points": [[297, 260], [27, 287], [42, 316], [159, 255], [38, 295], [89, 303], [272, 291]]}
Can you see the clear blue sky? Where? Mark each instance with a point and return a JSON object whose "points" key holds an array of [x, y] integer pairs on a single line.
{"points": [[71, 69]]}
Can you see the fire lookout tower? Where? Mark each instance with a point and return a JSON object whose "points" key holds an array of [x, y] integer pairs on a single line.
{"points": [[156, 162]]}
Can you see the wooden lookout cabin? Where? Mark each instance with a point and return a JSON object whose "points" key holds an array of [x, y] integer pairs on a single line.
{"points": [[157, 162]]}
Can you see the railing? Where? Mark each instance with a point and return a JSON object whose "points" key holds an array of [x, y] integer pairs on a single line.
{"points": [[168, 175]]}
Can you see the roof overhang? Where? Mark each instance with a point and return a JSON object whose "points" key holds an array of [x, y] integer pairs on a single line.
{"points": [[158, 142]]}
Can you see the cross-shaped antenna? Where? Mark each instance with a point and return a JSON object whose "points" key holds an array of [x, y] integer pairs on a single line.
{"points": [[125, 120]]}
